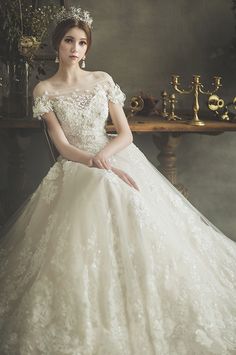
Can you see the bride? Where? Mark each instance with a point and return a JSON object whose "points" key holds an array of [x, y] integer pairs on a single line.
{"points": [[107, 257]]}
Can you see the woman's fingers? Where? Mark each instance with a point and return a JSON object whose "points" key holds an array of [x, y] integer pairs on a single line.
{"points": [[98, 164], [133, 183], [102, 164], [105, 164], [126, 178]]}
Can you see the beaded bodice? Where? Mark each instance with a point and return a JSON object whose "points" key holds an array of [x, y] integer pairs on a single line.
{"points": [[82, 113]]}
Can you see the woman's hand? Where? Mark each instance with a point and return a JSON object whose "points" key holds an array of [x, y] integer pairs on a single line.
{"points": [[125, 177], [101, 161], [89, 160]]}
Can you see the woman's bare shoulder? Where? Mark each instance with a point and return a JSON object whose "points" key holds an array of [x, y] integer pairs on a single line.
{"points": [[101, 75], [42, 87]]}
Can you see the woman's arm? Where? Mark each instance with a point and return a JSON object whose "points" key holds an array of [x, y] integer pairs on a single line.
{"points": [[123, 139], [58, 137]]}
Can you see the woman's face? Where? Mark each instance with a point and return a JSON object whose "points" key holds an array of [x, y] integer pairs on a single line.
{"points": [[73, 46]]}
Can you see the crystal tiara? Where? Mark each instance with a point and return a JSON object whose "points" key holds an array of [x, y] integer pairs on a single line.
{"points": [[74, 13]]}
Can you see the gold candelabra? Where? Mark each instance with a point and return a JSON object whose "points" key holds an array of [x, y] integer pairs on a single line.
{"points": [[196, 87]]}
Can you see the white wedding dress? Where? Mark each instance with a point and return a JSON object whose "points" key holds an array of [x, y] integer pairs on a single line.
{"points": [[91, 266]]}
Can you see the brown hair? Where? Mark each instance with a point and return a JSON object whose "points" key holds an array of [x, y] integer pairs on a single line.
{"points": [[63, 27]]}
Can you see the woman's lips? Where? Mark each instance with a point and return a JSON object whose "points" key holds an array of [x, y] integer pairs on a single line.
{"points": [[73, 56]]}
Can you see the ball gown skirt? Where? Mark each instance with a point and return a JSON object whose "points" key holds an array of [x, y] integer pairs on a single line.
{"points": [[91, 266]]}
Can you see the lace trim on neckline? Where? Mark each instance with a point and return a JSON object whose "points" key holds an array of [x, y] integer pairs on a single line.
{"points": [[89, 89]]}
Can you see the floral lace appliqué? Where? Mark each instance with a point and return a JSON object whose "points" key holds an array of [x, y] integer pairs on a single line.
{"points": [[49, 184], [83, 113]]}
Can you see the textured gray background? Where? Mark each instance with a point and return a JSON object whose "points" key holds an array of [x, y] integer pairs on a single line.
{"points": [[141, 43]]}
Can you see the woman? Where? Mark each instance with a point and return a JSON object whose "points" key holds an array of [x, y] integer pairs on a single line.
{"points": [[107, 257]]}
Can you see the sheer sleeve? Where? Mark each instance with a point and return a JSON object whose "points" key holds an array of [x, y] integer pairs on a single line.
{"points": [[114, 92], [42, 104]]}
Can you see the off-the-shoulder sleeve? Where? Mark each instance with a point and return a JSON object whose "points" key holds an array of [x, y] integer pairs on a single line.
{"points": [[42, 104], [114, 92]]}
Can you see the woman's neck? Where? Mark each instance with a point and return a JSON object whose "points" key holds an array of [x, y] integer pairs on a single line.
{"points": [[70, 75]]}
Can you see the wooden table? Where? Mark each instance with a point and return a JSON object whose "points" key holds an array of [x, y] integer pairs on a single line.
{"points": [[166, 136], [140, 124]]}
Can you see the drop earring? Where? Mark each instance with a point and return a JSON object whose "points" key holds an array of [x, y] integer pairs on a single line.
{"points": [[83, 63], [57, 59]]}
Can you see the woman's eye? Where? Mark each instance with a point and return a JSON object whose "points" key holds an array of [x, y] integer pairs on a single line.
{"points": [[70, 40]]}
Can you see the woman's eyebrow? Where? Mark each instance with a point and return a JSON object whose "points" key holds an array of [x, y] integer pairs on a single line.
{"points": [[68, 36]]}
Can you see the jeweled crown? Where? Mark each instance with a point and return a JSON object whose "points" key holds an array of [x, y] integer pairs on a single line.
{"points": [[74, 13]]}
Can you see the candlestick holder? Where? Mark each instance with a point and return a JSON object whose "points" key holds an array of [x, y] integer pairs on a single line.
{"points": [[164, 96], [169, 100], [196, 87], [172, 116]]}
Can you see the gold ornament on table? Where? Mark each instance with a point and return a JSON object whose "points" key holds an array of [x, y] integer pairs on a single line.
{"points": [[165, 101], [169, 101], [136, 105], [196, 87], [172, 116], [234, 102], [225, 115], [143, 104], [216, 104]]}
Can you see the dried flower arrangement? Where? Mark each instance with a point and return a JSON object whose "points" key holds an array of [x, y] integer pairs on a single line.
{"points": [[23, 27]]}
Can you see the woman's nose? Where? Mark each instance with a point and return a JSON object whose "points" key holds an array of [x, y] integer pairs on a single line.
{"points": [[75, 47]]}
